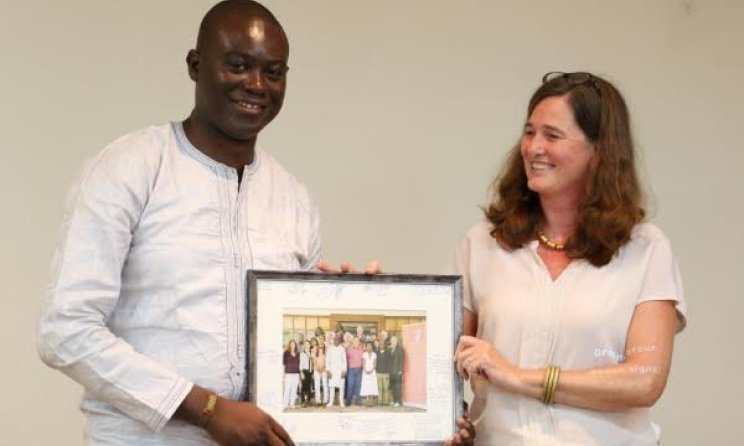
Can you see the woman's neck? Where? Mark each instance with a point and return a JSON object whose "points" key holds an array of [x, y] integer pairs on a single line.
{"points": [[560, 215]]}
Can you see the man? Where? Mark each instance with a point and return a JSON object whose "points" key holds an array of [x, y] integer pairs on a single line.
{"points": [[301, 342], [383, 337], [354, 381], [336, 366], [396, 371], [383, 374], [306, 374], [146, 305]]}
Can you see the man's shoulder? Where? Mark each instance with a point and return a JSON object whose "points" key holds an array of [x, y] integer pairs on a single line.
{"points": [[128, 160], [142, 146], [143, 140]]}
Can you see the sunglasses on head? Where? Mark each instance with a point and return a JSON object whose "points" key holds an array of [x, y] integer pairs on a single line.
{"points": [[577, 78]]}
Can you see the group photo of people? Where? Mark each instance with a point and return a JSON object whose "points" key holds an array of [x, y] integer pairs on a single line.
{"points": [[354, 366]]}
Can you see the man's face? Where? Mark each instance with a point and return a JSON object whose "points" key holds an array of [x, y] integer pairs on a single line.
{"points": [[240, 73]]}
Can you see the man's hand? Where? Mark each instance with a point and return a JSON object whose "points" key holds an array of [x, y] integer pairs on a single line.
{"points": [[233, 423], [236, 423], [373, 267]]}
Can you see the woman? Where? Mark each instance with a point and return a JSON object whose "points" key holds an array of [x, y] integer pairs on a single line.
{"points": [[369, 390], [313, 343], [320, 376], [571, 300], [291, 363]]}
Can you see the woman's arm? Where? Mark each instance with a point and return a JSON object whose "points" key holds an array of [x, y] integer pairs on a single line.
{"points": [[637, 382]]}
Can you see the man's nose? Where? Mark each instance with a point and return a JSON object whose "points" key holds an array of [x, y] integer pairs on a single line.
{"points": [[254, 81]]}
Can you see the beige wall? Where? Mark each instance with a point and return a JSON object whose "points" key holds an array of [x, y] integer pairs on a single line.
{"points": [[398, 113]]}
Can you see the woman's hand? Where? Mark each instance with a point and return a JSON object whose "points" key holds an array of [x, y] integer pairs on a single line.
{"points": [[475, 356], [465, 436]]}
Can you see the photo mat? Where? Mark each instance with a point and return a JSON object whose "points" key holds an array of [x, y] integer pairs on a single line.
{"points": [[424, 310]]}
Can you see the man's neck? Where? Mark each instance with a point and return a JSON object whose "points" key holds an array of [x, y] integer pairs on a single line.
{"points": [[219, 146]]}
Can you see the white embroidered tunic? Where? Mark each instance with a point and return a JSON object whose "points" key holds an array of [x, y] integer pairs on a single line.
{"points": [[148, 289]]}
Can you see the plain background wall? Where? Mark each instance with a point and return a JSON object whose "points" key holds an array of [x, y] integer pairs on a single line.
{"points": [[398, 113]]}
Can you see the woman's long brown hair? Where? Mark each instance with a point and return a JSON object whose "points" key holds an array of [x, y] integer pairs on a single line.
{"points": [[613, 200]]}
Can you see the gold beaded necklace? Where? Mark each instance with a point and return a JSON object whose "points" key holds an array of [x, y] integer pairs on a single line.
{"points": [[545, 241]]}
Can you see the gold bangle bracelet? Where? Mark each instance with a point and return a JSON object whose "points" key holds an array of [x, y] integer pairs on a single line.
{"points": [[549, 396], [208, 411], [550, 384], [546, 384], [555, 385]]}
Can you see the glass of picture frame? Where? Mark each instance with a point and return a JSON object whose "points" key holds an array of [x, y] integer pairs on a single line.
{"points": [[319, 346]]}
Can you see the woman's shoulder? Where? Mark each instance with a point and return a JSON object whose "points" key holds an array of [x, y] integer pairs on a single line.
{"points": [[478, 234], [480, 229], [648, 234], [646, 240], [477, 241]]}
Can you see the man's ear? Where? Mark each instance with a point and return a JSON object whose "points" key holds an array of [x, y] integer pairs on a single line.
{"points": [[192, 62]]}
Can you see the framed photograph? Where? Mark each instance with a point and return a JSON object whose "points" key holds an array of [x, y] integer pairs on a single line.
{"points": [[347, 359]]}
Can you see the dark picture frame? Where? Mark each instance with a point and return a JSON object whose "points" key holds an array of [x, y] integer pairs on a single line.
{"points": [[433, 302]]}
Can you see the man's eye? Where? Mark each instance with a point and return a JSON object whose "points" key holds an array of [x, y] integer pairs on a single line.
{"points": [[276, 73]]}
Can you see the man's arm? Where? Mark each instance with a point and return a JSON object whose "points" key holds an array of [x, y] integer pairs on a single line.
{"points": [[97, 228]]}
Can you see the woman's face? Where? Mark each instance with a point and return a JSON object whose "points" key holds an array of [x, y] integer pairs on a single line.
{"points": [[557, 154]]}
